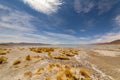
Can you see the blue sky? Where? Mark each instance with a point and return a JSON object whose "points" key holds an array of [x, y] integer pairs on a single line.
{"points": [[59, 21]]}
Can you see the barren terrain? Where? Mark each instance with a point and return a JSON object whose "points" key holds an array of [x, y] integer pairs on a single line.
{"points": [[98, 62]]}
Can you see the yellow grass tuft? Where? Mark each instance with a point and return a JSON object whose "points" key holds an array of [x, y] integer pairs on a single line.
{"points": [[28, 73], [16, 62], [61, 57], [44, 49], [3, 59], [39, 70], [48, 78], [69, 51], [37, 56], [59, 76], [84, 73], [28, 57], [26, 65], [49, 54], [3, 53]]}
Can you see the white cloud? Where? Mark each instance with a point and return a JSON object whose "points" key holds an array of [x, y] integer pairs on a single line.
{"points": [[15, 27], [4, 7], [117, 20], [84, 38], [83, 6], [66, 37], [62, 36], [70, 31], [108, 37], [106, 5], [16, 21], [44, 6], [82, 30]]}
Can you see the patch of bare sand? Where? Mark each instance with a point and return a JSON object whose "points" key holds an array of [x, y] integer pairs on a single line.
{"points": [[108, 64]]}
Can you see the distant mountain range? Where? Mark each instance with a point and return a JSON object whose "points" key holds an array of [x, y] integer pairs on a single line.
{"points": [[112, 42], [115, 42], [37, 44], [22, 44]]}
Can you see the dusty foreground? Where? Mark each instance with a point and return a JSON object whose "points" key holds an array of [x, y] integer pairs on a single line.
{"points": [[48, 63]]}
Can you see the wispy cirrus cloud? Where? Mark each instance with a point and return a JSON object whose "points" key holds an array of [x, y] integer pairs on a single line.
{"points": [[70, 31], [2, 7], [66, 37], [60, 35], [82, 30], [44, 6], [107, 37], [16, 26], [83, 6], [106, 5], [16, 21], [117, 20]]}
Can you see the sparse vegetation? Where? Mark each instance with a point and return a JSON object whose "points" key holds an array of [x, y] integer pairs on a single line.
{"points": [[3, 59], [61, 57], [16, 62], [28, 73], [26, 65], [69, 51], [3, 53], [38, 71], [28, 57], [50, 54], [39, 50], [49, 71], [47, 78], [37, 56], [85, 73]]}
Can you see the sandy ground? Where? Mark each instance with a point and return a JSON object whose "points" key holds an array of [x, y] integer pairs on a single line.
{"points": [[97, 63]]}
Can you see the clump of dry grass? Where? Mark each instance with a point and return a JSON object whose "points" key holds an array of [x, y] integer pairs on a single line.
{"points": [[59, 76], [38, 71], [25, 65], [61, 57], [3, 53], [28, 73], [49, 54], [66, 74], [69, 51], [3, 59], [28, 57], [50, 66], [16, 62], [85, 73], [63, 72], [48, 78], [69, 74], [37, 56], [44, 49]]}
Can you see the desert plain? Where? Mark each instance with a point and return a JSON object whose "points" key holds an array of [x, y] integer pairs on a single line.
{"points": [[60, 62]]}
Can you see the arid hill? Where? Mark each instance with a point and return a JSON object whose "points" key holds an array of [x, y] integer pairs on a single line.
{"points": [[115, 42], [112, 42]]}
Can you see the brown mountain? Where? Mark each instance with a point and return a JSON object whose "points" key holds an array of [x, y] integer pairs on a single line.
{"points": [[115, 42], [112, 42]]}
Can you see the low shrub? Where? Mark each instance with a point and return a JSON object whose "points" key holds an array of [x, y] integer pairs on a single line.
{"points": [[84, 73], [61, 57], [28, 73], [16, 62], [28, 57], [3, 53], [3, 59]]}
